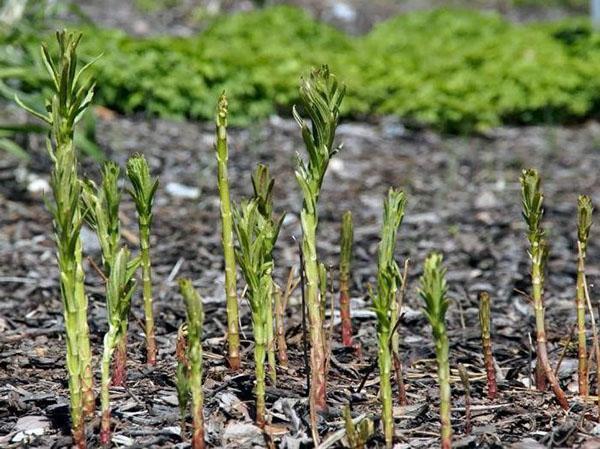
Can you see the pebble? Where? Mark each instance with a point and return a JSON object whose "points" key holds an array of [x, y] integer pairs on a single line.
{"points": [[182, 191]]}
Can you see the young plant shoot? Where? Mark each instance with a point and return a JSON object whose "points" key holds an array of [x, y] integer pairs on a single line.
{"points": [[532, 201], [182, 383], [321, 97], [222, 152], [388, 283], [70, 99], [195, 322], [142, 192], [256, 238], [433, 292], [486, 343], [263, 183], [120, 288], [102, 215], [345, 261], [584, 223]]}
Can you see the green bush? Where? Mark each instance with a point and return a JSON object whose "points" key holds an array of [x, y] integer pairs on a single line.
{"points": [[462, 70], [456, 71]]}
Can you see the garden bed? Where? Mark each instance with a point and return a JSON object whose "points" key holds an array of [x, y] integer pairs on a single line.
{"points": [[463, 200]]}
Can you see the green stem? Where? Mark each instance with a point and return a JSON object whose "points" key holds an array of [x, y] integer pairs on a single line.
{"points": [[87, 377], [144, 229], [317, 340], [441, 349], [385, 387], [581, 332], [259, 360], [233, 335], [109, 343], [271, 341]]}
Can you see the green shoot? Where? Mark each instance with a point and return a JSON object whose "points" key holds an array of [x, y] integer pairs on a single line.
{"points": [[345, 262], [321, 97], [357, 433], [486, 343], [256, 239], [195, 322], [101, 207], [434, 292], [70, 99], [532, 201], [584, 223], [142, 193], [222, 152], [263, 183], [182, 375], [388, 282], [120, 288]]}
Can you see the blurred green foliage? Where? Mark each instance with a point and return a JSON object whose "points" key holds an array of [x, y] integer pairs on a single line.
{"points": [[456, 71]]}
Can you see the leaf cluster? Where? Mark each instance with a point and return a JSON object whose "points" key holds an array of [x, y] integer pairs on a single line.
{"points": [[584, 219], [143, 187], [532, 200], [321, 98], [389, 276], [101, 210], [256, 237], [433, 291], [120, 288]]}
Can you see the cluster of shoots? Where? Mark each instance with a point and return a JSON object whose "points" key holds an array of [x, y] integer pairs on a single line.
{"points": [[257, 233], [189, 369], [385, 303], [321, 97], [77, 202]]}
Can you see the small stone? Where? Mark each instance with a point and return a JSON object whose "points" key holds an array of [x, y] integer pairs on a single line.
{"points": [[242, 434], [182, 191], [486, 200]]}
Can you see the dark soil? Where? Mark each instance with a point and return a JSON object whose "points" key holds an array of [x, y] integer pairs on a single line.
{"points": [[463, 200]]}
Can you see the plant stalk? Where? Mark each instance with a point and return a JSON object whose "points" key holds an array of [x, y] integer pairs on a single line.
{"points": [[486, 344], [345, 262], [584, 223], [222, 152]]}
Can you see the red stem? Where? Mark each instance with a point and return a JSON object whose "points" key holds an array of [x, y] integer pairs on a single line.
{"points": [[345, 314], [120, 363]]}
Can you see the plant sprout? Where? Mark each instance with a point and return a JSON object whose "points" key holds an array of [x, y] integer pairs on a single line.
{"points": [[263, 183], [195, 322], [222, 152], [70, 99], [102, 214], [345, 262], [321, 97], [433, 291], [256, 239], [486, 343], [120, 288], [584, 223], [182, 383], [357, 433], [388, 282], [532, 201], [142, 192]]}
